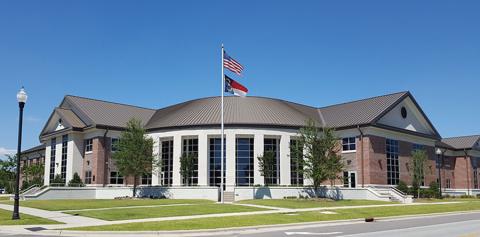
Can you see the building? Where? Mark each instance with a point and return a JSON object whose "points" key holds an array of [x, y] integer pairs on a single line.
{"points": [[377, 135]]}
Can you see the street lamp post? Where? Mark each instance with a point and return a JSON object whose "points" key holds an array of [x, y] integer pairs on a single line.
{"points": [[22, 99], [439, 153]]}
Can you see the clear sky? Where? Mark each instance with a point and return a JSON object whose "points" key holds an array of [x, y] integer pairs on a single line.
{"points": [[157, 53]]}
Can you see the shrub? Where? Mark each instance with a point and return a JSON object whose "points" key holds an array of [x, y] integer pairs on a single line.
{"points": [[76, 181], [403, 187], [434, 190], [58, 181]]}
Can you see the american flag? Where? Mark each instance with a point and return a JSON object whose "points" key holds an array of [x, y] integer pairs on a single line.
{"points": [[231, 64]]}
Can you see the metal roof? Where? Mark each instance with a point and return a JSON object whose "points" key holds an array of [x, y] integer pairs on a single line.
{"points": [[238, 111], [464, 142], [39, 148], [100, 112]]}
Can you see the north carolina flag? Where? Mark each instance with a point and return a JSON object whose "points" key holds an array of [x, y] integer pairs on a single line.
{"points": [[235, 88]]}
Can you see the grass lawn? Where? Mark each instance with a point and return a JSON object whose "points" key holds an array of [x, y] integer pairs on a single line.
{"points": [[6, 219], [60, 205], [4, 198], [310, 203], [270, 219], [153, 212]]}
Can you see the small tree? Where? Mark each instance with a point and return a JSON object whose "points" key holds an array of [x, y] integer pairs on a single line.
{"points": [[319, 153], [76, 181], [266, 165], [296, 159], [7, 173], [419, 159], [134, 155], [187, 167]]}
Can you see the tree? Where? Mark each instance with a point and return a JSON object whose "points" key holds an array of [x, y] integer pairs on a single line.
{"points": [[319, 153], [134, 155], [296, 159], [267, 166], [419, 160], [32, 175], [76, 181], [187, 167], [7, 173]]}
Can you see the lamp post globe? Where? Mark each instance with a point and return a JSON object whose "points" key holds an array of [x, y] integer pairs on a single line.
{"points": [[21, 99]]}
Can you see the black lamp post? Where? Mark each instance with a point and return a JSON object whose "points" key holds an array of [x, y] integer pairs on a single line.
{"points": [[21, 98], [439, 164]]}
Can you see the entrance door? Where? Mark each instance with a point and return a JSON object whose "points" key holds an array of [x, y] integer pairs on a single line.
{"points": [[350, 179]]}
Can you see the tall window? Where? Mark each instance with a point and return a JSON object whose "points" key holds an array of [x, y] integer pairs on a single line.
{"points": [[244, 161], [53, 150], [271, 144], [349, 144], [475, 177], [296, 176], [190, 146], [116, 178], [63, 169], [393, 172], [88, 177], [448, 183], [88, 145], [146, 179], [113, 144], [167, 162], [214, 155]]}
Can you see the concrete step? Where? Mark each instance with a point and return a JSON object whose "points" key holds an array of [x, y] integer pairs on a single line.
{"points": [[229, 196]]}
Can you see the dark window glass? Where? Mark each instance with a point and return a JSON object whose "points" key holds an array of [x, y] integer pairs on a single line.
{"points": [[271, 144], [393, 172], [167, 162], [190, 146], [53, 145], [349, 144], [114, 144], [244, 161], [296, 166], [215, 161], [88, 177], [88, 145], [116, 178], [63, 171], [147, 179]]}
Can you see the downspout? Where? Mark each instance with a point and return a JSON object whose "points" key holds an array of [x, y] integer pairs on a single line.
{"points": [[468, 171], [361, 156], [105, 166]]}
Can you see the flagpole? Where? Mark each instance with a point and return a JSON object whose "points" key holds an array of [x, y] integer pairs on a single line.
{"points": [[223, 135]]}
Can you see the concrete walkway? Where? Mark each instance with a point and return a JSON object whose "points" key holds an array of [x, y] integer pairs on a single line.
{"points": [[79, 221]]}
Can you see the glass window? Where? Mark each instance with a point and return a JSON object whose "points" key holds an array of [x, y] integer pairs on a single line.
{"points": [[88, 177], [393, 172], [53, 145], [63, 171], [475, 178], [114, 144], [349, 144], [89, 145], [190, 146], [271, 144], [214, 154], [244, 161], [147, 179], [116, 178], [167, 162], [296, 167], [448, 183]]}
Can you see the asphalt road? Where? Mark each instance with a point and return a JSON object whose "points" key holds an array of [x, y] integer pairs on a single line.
{"points": [[465, 225], [462, 225]]}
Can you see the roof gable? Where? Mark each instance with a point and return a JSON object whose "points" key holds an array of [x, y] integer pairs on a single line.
{"points": [[415, 120], [62, 119]]}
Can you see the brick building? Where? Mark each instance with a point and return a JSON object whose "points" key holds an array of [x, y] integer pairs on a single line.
{"points": [[377, 135]]}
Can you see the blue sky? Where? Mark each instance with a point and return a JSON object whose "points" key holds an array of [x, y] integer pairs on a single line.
{"points": [[157, 53]]}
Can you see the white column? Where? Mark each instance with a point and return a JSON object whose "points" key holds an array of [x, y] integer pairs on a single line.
{"points": [[202, 159], [46, 174], [285, 160], [177, 152], [230, 165], [156, 171], [257, 151]]}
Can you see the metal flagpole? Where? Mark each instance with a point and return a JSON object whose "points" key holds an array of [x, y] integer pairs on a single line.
{"points": [[222, 137]]}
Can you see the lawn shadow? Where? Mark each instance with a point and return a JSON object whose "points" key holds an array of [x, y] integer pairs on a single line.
{"points": [[154, 192]]}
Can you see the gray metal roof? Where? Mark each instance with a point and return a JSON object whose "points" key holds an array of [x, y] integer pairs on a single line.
{"points": [[39, 148], [359, 112], [238, 111], [464, 142], [70, 117], [100, 112]]}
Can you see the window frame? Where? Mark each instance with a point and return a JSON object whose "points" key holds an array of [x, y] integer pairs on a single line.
{"points": [[347, 142], [89, 146]]}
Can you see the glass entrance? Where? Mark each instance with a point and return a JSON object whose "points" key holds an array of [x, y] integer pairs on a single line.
{"points": [[350, 179]]}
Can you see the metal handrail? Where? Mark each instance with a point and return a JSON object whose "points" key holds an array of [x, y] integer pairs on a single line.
{"points": [[398, 191], [29, 189]]}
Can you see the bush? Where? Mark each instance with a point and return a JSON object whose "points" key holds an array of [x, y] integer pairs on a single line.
{"points": [[434, 190], [57, 181], [76, 181], [403, 187]]}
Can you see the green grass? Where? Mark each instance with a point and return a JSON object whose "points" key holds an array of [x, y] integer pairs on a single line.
{"points": [[4, 198], [60, 205], [270, 219], [6, 219], [167, 211], [310, 203]]}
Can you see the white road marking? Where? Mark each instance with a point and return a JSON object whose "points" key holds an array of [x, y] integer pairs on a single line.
{"points": [[311, 233]]}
